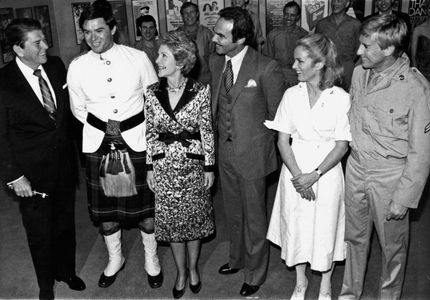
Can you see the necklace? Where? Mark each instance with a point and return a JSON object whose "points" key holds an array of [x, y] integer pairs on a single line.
{"points": [[177, 88]]}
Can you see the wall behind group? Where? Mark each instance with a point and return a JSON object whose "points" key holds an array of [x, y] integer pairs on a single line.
{"points": [[64, 36]]}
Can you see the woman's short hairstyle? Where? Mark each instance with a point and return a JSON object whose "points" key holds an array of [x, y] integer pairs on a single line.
{"points": [[387, 30], [184, 50], [98, 9], [321, 49], [16, 31]]}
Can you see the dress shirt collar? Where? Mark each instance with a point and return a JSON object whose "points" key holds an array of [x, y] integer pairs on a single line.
{"points": [[236, 62], [109, 54], [26, 70]]}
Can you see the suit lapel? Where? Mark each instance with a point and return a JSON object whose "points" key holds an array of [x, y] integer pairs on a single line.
{"points": [[58, 90], [27, 95], [246, 72], [218, 67]]}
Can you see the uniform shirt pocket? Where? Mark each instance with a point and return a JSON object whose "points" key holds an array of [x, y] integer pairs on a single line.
{"points": [[390, 123]]}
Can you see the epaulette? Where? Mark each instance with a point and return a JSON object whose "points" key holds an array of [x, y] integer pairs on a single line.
{"points": [[420, 77]]}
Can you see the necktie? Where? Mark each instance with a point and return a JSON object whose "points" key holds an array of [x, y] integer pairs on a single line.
{"points": [[48, 100], [228, 76]]}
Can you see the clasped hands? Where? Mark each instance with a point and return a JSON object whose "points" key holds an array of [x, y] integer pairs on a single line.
{"points": [[303, 184]]}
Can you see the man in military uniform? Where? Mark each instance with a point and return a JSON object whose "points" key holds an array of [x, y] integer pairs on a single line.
{"points": [[389, 162]]}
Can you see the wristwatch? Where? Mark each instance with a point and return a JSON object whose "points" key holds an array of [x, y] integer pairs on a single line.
{"points": [[319, 172]]}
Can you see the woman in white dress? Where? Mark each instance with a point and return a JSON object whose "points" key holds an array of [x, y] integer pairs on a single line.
{"points": [[308, 216]]}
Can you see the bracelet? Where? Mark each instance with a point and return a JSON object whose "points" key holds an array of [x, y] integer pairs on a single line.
{"points": [[319, 172]]}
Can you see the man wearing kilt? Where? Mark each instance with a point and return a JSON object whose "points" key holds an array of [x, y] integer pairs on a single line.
{"points": [[106, 94]]}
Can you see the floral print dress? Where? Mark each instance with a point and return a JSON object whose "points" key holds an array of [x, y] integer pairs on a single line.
{"points": [[180, 149]]}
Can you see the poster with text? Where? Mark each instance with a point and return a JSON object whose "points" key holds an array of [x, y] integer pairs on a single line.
{"points": [[209, 12], [274, 14], [41, 13], [312, 12], [24, 12], [173, 14], [77, 9], [6, 16], [141, 8], [120, 15], [417, 11]]}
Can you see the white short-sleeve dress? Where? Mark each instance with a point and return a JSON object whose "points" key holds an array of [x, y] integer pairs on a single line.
{"points": [[311, 231]]}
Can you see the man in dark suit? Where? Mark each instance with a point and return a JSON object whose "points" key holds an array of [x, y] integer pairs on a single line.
{"points": [[37, 157], [247, 88]]}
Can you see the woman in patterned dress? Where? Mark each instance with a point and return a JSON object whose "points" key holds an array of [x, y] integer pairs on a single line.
{"points": [[180, 157]]}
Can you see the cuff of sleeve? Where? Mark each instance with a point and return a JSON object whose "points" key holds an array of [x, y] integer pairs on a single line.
{"points": [[149, 167], [210, 168], [12, 182]]}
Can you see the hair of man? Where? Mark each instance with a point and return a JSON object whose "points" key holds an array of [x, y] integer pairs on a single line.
{"points": [[189, 4], [16, 31], [147, 19], [387, 30], [243, 27], [290, 5], [98, 9]]}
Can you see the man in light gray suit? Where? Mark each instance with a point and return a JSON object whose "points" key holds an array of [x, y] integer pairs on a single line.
{"points": [[247, 88]]}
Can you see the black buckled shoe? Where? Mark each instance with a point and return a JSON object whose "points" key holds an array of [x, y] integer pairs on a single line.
{"points": [[106, 281], [248, 290], [226, 270], [74, 282], [156, 281]]}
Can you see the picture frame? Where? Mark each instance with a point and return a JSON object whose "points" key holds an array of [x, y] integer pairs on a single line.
{"points": [[120, 14], [77, 9], [144, 7], [208, 10], [173, 14], [41, 13], [6, 16], [24, 12]]}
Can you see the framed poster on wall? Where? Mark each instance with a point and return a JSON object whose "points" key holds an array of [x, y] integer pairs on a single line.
{"points": [[141, 8], [274, 14], [120, 15], [41, 13], [77, 9], [6, 16], [173, 14], [208, 10], [24, 12], [312, 12]]}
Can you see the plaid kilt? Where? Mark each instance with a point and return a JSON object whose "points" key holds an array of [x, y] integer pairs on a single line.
{"points": [[125, 210]]}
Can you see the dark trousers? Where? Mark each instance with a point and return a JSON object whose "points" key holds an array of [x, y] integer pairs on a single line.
{"points": [[50, 227], [245, 208]]}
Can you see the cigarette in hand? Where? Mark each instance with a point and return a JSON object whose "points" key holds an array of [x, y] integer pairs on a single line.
{"points": [[43, 195]]}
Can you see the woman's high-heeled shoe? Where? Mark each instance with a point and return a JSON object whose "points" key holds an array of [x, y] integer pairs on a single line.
{"points": [[179, 293], [195, 288]]}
